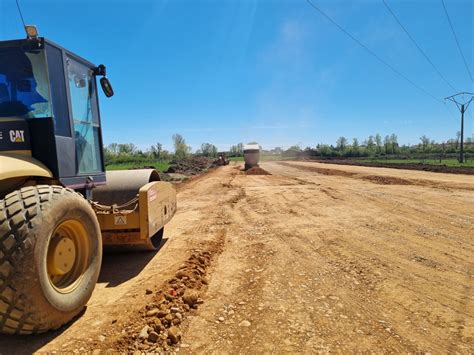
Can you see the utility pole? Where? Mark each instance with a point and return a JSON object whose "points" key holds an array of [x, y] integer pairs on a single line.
{"points": [[461, 152], [462, 106]]}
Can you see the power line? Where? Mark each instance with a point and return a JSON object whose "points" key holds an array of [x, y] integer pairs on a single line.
{"points": [[372, 52], [416, 44], [456, 39], [21, 15]]}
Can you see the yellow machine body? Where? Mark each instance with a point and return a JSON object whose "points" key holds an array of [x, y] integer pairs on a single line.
{"points": [[133, 209], [15, 164], [16, 167], [50, 146], [138, 226]]}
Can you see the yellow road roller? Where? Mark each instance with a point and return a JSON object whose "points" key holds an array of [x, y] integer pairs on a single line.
{"points": [[58, 206]]}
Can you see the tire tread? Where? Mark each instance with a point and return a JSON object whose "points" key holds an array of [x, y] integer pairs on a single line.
{"points": [[18, 212]]}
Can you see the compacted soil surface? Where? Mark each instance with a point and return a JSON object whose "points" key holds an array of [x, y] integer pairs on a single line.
{"points": [[311, 258], [441, 168]]}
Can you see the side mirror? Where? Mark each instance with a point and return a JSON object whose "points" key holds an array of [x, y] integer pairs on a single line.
{"points": [[106, 87]]}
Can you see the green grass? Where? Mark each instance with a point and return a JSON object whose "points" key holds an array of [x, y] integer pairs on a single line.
{"points": [[447, 162], [161, 166]]}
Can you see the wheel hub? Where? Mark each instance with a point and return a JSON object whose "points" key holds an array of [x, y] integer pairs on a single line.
{"points": [[62, 255], [68, 255]]}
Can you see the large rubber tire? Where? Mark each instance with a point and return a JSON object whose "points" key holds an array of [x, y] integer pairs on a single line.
{"points": [[29, 301]]}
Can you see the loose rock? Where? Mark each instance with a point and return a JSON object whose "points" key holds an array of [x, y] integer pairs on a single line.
{"points": [[161, 314], [244, 323], [174, 334], [153, 336], [190, 297], [144, 332], [152, 312]]}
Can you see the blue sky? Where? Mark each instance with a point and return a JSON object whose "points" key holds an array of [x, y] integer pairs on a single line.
{"points": [[270, 71]]}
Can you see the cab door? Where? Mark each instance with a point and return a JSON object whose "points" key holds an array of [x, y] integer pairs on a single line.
{"points": [[85, 117]]}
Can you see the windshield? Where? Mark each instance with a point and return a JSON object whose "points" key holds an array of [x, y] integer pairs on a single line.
{"points": [[24, 85]]}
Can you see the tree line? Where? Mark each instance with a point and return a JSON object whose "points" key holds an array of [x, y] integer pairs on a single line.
{"points": [[116, 153], [372, 146], [375, 145]]}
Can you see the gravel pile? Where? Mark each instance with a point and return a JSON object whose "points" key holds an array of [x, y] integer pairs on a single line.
{"points": [[159, 327]]}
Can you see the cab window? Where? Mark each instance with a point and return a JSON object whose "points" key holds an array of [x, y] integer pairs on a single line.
{"points": [[86, 128], [24, 85]]}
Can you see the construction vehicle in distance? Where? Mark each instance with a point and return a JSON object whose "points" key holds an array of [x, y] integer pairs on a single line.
{"points": [[221, 159], [251, 155], [58, 206]]}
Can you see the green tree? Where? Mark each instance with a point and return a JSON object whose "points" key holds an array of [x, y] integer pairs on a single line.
{"points": [[293, 151], [378, 142], [208, 150], [181, 150], [295, 148], [394, 143], [370, 144], [355, 147], [325, 150], [425, 142], [237, 150], [341, 143], [156, 150], [387, 144], [113, 148], [127, 148], [165, 155]]}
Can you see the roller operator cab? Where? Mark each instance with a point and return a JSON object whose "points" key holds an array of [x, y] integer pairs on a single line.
{"points": [[49, 111], [58, 207]]}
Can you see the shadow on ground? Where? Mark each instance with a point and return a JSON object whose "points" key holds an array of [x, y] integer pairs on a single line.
{"points": [[28, 344], [117, 267]]}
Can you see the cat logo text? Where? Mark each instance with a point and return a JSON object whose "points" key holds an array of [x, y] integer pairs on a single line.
{"points": [[17, 136]]}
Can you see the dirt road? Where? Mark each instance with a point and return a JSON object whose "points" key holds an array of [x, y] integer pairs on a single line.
{"points": [[315, 257]]}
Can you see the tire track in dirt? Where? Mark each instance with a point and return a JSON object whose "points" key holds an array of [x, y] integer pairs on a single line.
{"points": [[407, 244], [279, 326], [232, 303], [297, 249], [120, 294]]}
